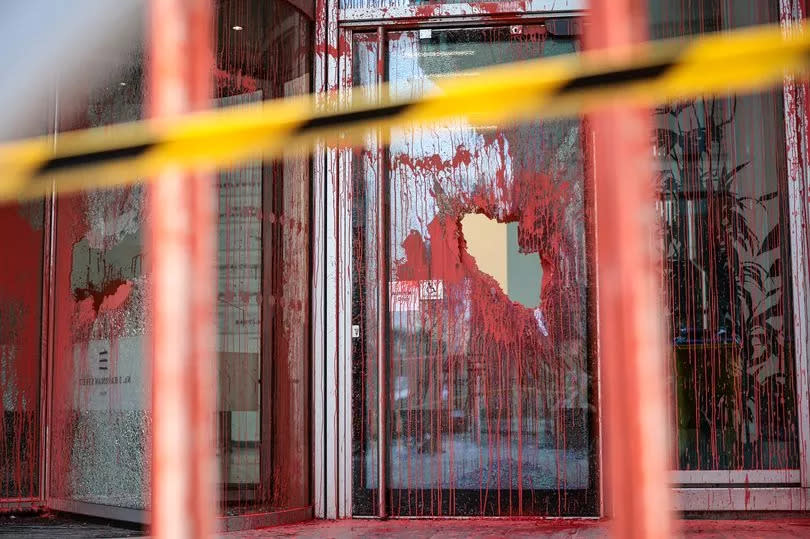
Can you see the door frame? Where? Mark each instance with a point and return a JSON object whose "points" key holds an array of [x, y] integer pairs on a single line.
{"points": [[796, 97], [332, 403]]}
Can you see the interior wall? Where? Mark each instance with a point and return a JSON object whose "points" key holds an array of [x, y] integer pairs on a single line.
{"points": [[21, 252]]}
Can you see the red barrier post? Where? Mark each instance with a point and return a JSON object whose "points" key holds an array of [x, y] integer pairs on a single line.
{"points": [[632, 354], [182, 252]]}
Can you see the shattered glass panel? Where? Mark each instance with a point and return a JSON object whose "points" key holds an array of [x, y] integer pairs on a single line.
{"points": [[101, 403], [101, 418], [488, 338]]}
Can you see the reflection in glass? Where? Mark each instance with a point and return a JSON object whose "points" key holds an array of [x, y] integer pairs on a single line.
{"points": [[263, 271], [722, 181]]}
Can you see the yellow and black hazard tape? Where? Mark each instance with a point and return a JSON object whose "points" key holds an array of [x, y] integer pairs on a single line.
{"points": [[743, 60]]}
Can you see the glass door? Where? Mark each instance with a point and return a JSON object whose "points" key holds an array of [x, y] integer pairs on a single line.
{"points": [[486, 335]]}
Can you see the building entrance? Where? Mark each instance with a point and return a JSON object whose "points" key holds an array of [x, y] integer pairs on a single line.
{"points": [[477, 240]]}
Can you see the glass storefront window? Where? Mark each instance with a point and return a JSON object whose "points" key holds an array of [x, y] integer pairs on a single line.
{"points": [[488, 329], [264, 51], [722, 177], [487, 343], [101, 402], [100, 394]]}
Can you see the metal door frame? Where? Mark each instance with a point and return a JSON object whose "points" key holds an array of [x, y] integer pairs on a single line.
{"points": [[332, 409]]}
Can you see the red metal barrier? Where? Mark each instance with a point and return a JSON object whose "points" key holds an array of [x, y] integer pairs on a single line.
{"points": [[182, 251], [630, 328]]}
